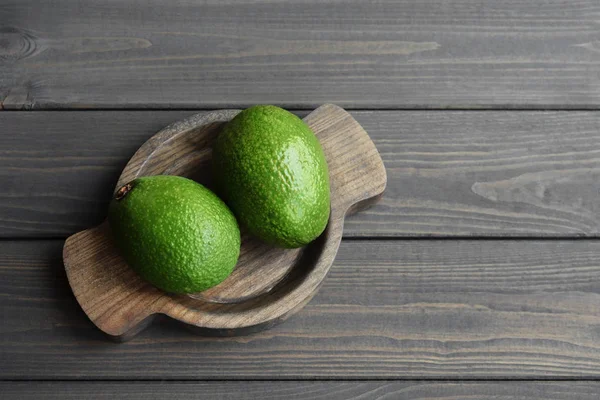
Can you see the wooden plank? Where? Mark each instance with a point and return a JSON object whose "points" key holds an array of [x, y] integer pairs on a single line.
{"points": [[483, 173], [58, 171], [393, 53], [388, 309], [290, 390]]}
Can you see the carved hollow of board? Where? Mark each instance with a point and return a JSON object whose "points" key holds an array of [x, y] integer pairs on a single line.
{"points": [[268, 284]]}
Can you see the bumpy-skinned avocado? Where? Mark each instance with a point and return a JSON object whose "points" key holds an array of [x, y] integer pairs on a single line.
{"points": [[175, 233], [271, 170]]}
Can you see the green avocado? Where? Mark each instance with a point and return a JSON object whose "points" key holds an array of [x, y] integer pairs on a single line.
{"points": [[175, 233], [271, 170]]}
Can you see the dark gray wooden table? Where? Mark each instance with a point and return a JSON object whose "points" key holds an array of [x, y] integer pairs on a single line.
{"points": [[476, 276]]}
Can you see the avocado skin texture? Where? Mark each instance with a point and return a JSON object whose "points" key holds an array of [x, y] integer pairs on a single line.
{"points": [[175, 233], [271, 170]]}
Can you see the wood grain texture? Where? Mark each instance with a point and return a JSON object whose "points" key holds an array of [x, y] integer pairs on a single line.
{"points": [[268, 284], [387, 309], [307, 390], [483, 173], [216, 54]]}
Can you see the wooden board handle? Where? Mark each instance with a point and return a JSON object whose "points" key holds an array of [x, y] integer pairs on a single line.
{"points": [[356, 170]]}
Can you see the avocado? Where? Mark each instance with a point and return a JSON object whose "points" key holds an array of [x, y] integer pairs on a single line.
{"points": [[271, 170], [175, 233]]}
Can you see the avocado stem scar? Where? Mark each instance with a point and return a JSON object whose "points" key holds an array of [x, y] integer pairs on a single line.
{"points": [[122, 192]]}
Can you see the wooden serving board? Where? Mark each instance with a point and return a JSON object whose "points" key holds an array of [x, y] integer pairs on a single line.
{"points": [[268, 283]]}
